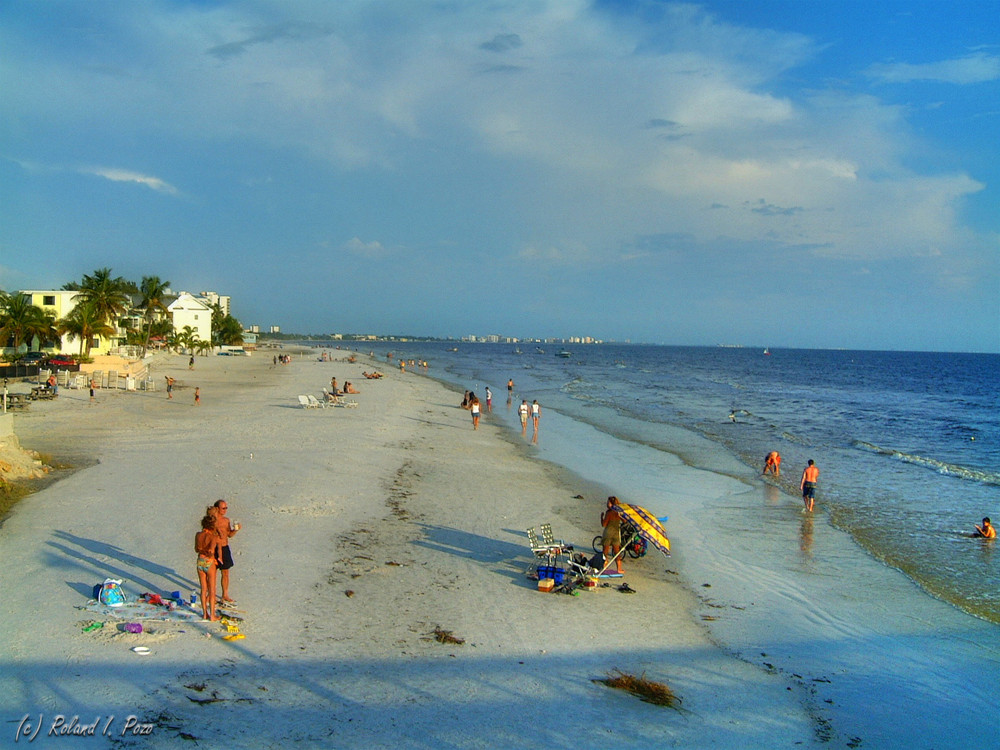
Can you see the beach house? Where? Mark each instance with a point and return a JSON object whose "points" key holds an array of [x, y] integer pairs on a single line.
{"points": [[61, 303], [193, 312]]}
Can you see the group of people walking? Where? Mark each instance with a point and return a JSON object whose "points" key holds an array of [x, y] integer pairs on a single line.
{"points": [[533, 410], [214, 554]]}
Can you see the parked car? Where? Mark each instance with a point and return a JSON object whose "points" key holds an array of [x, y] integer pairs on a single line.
{"points": [[31, 358], [61, 360]]}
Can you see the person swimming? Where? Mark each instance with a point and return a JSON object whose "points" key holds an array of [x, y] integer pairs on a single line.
{"points": [[986, 531]]}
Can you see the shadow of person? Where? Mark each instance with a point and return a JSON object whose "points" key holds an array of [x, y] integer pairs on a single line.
{"points": [[92, 552]]}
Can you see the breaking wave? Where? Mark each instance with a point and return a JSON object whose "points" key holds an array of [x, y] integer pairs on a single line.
{"points": [[941, 467]]}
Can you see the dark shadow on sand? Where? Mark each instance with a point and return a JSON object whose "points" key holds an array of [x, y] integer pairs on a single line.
{"points": [[84, 556]]}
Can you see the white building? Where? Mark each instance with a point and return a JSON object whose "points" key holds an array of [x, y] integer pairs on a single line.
{"points": [[214, 298], [188, 310]]}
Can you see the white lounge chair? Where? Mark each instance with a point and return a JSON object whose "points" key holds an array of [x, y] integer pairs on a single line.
{"points": [[315, 403], [304, 402], [332, 400]]}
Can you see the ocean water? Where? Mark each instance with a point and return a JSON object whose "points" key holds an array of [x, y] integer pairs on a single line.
{"points": [[908, 443]]}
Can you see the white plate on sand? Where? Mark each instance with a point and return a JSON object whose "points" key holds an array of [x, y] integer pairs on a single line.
{"points": [[144, 650]]}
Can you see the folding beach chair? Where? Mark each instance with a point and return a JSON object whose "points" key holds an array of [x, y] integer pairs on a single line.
{"points": [[547, 548], [304, 402]]}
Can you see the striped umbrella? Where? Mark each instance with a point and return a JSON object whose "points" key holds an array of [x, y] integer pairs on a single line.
{"points": [[646, 524]]}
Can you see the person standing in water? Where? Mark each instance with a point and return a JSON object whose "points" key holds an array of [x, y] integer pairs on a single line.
{"points": [[772, 463], [808, 485], [986, 531]]}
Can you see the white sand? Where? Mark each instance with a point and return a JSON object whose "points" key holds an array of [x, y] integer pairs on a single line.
{"points": [[399, 501]]}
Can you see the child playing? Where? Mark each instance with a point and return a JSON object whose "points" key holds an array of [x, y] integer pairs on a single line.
{"points": [[208, 545]]}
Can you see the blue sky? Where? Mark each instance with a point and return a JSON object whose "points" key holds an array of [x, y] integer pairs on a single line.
{"points": [[810, 174]]}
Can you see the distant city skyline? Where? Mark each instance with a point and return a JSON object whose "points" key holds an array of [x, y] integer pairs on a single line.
{"points": [[799, 174]]}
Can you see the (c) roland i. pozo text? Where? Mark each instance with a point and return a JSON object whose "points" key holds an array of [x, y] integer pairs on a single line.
{"points": [[60, 725]]}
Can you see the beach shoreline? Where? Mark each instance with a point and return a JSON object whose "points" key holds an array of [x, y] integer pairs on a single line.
{"points": [[397, 501]]}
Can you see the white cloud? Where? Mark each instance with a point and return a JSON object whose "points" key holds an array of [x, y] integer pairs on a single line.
{"points": [[124, 175], [975, 68], [549, 105], [373, 249]]}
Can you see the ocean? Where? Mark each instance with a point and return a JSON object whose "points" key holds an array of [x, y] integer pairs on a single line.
{"points": [[880, 608], [908, 443]]}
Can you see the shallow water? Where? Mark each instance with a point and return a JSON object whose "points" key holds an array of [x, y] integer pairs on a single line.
{"points": [[907, 443]]}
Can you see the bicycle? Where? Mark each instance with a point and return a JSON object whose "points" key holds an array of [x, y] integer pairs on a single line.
{"points": [[635, 548]]}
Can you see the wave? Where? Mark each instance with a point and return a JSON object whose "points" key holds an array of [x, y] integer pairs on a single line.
{"points": [[792, 438], [941, 467]]}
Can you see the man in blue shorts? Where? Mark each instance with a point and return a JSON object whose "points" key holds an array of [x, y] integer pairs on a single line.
{"points": [[808, 485]]}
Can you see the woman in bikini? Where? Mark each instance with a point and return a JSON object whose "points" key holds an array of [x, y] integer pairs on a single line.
{"points": [[208, 545], [611, 539]]}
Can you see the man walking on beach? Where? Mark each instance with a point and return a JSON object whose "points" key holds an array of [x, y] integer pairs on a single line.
{"points": [[808, 485], [226, 530], [489, 399], [522, 412]]}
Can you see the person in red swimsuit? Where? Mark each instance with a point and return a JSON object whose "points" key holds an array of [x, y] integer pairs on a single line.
{"points": [[772, 463]]}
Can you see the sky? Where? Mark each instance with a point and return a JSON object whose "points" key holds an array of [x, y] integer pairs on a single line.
{"points": [[794, 173]]}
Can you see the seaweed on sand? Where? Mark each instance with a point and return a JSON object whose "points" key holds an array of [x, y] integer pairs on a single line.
{"points": [[649, 691]]}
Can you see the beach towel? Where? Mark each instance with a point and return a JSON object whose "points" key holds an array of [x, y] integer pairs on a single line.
{"points": [[132, 611]]}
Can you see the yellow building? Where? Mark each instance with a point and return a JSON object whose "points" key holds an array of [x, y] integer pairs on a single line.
{"points": [[61, 303]]}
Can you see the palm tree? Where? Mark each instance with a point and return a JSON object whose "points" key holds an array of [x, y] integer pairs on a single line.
{"points": [[21, 321], [46, 328], [152, 291], [230, 332], [85, 323], [108, 297], [184, 338]]}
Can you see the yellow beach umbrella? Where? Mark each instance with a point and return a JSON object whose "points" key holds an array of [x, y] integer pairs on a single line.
{"points": [[647, 525]]}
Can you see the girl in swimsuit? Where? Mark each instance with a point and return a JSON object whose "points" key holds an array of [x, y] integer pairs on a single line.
{"points": [[208, 545], [475, 406]]}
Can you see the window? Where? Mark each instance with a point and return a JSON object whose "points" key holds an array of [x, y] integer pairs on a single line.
{"points": [[49, 299]]}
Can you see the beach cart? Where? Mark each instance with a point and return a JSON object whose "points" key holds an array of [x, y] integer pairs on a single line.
{"points": [[641, 525]]}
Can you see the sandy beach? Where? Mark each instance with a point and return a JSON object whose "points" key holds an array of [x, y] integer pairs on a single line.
{"points": [[363, 530]]}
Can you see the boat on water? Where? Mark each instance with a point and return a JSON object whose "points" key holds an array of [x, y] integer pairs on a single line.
{"points": [[539, 350], [564, 354], [517, 351], [766, 351]]}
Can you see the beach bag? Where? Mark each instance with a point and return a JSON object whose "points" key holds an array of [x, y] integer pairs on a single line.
{"points": [[110, 593]]}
